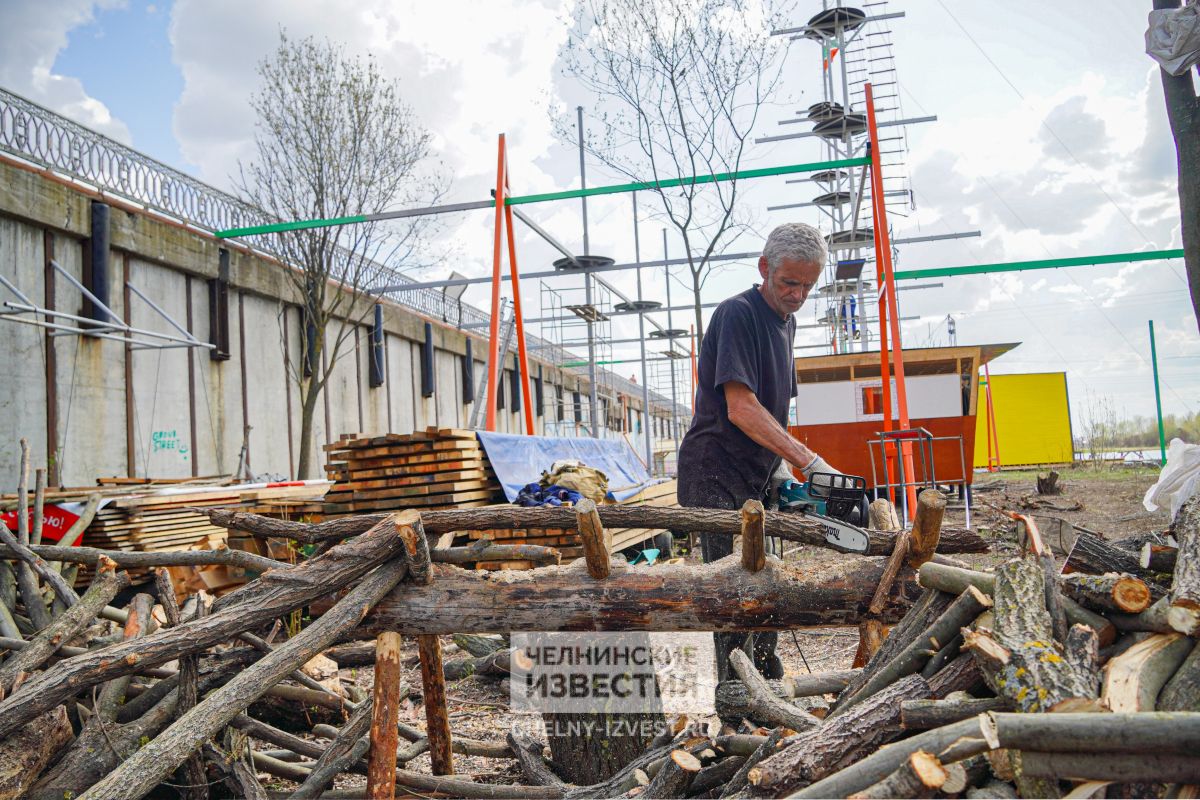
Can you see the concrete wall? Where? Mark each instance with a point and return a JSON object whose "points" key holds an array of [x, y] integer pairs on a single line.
{"points": [[177, 412]]}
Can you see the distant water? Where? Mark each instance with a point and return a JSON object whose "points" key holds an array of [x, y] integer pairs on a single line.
{"points": [[1150, 454]]}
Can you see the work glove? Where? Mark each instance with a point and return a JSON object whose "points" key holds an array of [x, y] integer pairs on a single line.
{"points": [[778, 479], [819, 465]]}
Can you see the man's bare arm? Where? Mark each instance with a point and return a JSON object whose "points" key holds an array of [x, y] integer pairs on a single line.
{"points": [[756, 422]]}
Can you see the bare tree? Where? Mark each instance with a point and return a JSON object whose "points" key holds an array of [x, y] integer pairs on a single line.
{"points": [[334, 139], [1183, 111], [680, 84]]}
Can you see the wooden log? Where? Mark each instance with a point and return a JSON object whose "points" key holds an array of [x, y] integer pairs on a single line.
{"points": [[1182, 691], [381, 770], [1112, 592], [31, 595], [716, 775], [479, 646], [1051, 590], [754, 545], [916, 715], [733, 701], [895, 561], [237, 776], [192, 776], [1020, 661], [593, 538], [274, 594], [883, 516], [1153, 619], [961, 675], [529, 755], [840, 741], [1112, 767], [341, 753], [25, 753], [783, 525], [766, 748], [487, 550], [782, 595], [954, 579], [969, 605], [425, 784], [103, 589], [124, 558], [1158, 557], [437, 719], [39, 566], [920, 775], [927, 526], [942, 657], [927, 608], [1085, 732], [1082, 651], [765, 705], [1093, 554], [675, 776], [496, 664], [1133, 679], [870, 638], [1184, 614], [416, 546], [148, 766]]}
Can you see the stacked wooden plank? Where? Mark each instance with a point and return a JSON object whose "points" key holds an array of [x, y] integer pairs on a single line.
{"points": [[434, 468], [567, 541], [157, 521]]}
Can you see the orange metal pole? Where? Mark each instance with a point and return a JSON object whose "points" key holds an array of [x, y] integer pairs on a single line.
{"points": [[993, 440], [494, 328], [883, 260], [522, 357]]}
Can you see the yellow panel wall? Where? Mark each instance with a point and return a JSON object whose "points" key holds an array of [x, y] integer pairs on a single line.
{"points": [[1033, 422]]}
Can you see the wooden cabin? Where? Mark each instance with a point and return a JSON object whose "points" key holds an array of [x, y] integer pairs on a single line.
{"points": [[839, 405]]}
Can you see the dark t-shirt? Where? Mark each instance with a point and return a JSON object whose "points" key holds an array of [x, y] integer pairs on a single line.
{"points": [[746, 341]]}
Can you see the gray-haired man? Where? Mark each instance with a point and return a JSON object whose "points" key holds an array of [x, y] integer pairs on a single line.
{"points": [[747, 378]]}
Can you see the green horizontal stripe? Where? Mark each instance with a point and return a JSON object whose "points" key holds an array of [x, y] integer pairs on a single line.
{"points": [[1049, 263], [723, 176], [297, 225]]}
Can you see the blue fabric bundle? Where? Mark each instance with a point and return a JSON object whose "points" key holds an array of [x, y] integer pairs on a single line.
{"points": [[534, 494]]}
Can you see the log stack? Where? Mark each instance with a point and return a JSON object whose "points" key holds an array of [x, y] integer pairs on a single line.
{"points": [[979, 690]]}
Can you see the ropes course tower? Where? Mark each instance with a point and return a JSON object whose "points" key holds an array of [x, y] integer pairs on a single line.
{"points": [[856, 49]]}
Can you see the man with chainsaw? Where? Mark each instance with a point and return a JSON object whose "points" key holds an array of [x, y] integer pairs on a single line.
{"points": [[738, 447]]}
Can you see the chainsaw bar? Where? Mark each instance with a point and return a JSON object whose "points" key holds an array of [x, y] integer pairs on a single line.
{"points": [[843, 535]]}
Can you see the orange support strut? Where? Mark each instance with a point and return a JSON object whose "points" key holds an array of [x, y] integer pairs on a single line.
{"points": [[522, 356], [889, 311], [504, 224]]}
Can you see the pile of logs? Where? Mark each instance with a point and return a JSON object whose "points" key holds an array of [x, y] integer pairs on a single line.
{"points": [[988, 684]]}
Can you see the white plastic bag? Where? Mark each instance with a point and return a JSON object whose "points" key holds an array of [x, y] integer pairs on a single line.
{"points": [[1173, 38], [1179, 480]]}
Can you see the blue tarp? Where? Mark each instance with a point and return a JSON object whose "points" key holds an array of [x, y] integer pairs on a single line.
{"points": [[519, 460]]}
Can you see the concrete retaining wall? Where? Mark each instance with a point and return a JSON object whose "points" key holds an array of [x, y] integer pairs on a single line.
{"points": [[176, 412]]}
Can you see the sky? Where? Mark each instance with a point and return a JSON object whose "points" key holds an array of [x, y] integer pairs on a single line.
{"points": [[1051, 140]]}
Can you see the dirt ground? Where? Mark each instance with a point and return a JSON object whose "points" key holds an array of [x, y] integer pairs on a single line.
{"points": [[1107, 501]]}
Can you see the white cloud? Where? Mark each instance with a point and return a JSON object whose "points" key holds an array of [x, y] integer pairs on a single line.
{"points": [[31, 37]]}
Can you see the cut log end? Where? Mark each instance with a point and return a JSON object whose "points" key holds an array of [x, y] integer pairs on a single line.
{"points": [[1184, 616]]}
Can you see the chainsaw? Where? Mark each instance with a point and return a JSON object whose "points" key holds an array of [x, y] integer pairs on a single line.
{"points": [[838, 502]]}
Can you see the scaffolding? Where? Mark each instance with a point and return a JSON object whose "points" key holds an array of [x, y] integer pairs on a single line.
{"points": [[577, 320]]}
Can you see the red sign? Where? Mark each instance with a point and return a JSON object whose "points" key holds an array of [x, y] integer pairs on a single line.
{"points": [[57, 519]]}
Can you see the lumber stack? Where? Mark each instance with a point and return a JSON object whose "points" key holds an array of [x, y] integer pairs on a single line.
{"points": [[155, 521], [566, 540], [434, 468]]}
